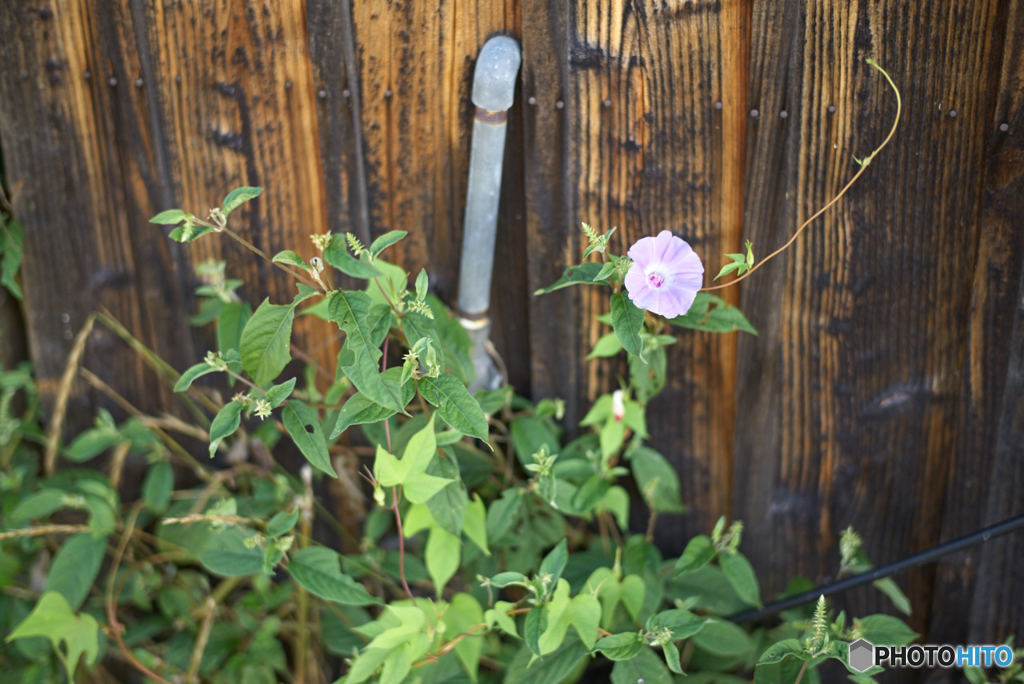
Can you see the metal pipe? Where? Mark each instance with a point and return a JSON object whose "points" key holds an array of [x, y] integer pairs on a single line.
{"points": [[493, 93]]}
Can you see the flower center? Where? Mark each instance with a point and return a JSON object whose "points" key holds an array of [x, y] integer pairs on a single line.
{"points": [[655, 279]]}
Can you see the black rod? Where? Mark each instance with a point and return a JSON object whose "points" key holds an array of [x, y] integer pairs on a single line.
{"points": [[931, 554]]}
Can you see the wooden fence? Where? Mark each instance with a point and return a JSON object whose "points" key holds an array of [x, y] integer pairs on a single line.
{"points": [[885, 388]]}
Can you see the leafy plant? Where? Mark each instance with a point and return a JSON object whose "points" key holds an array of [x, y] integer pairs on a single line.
{"points": [[496, 548]]}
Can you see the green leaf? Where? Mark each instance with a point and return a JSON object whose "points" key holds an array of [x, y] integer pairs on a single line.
{"points": [[157, 487], [672, 658], [75, 567], [886, 630], [558, 618], [712, 314], [583, 274], [646, 667], [585, 616], [699, 552], [420, 487], [503, 514], [92, 442], [386, 240], [500, 615], [282, 522], [464, 614], [38, 505], [442, 557], [303, 425], [170, 217], [238, 197], [265, 341], [627, 322], [656, 480], [230, 322], [590, 493], [362, 370], [448, 506], [622, 646], [503, 579], [474, 523], [192, 374], [337, 255], [360, 409], [723, 639], [422, 285], [290, 258], [456, 405], [741, 576], [228, 555], [534, 625], [278, 393], [351, 311], [529, 435], [632, 594], [607, 345], [682, 623], [888, 587], [224, 424], [316, 568], [783, 649], [52, 618], [554, 563]]}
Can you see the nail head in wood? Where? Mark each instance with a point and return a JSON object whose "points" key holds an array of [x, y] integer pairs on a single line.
{"points": [[1004, 127], [718, 104], [754, 113], [559, 105], [112, 81], [532, 101]]}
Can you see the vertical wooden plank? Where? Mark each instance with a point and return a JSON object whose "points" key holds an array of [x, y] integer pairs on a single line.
{"points": [[555, 349], [872, 301], [648, 153], [332, 51], [242, 107], [415, 64], [988, 468], [415, 69], [76, 140]]}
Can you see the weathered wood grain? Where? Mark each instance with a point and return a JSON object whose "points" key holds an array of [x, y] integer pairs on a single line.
{"points": [[988, 465], [76, 140], [884, 389], [870, 335], [416, 72], [242, 106], [650, 151]]}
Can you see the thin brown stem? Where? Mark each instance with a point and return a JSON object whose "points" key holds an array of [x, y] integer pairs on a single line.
{"points": [[209, 609], [401, 542], [863, 167], [43, 531], [116, 627], [802, 671]]}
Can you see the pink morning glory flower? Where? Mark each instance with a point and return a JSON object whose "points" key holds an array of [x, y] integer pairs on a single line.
{"points": [[665, 276]]}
